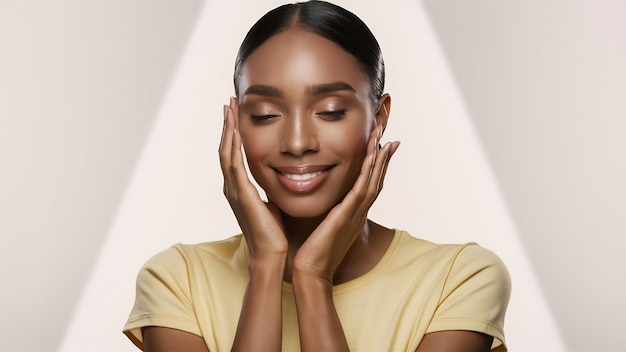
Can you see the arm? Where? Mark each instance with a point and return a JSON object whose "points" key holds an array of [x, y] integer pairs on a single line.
{"points": [[260, 322], [455, 341], [321, 254], [318, 322], [160, 339], [470, 314], [163, 303], [260, 325]]}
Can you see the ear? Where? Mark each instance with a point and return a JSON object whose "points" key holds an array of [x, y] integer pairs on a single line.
{"points": [[384, 108]]}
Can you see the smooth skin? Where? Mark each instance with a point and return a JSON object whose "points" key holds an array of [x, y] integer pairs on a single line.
{"points": [[303, 100]]}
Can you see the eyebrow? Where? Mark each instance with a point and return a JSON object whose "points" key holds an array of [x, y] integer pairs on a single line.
{"points": [[314, 90], [321, 89], [266, 91]]}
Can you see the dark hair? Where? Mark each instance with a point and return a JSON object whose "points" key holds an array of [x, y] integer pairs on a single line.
{"points": [[331, 22]]}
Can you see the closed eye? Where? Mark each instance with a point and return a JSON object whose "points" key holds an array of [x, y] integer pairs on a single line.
{"points": [[335, 114], [262, 117]]}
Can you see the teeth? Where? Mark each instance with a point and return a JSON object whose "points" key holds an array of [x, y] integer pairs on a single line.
{"points": [[302, 177]]}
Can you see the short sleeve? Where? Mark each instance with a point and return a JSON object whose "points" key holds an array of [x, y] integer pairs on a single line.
{"points": [[163, 297], [475, 295]]}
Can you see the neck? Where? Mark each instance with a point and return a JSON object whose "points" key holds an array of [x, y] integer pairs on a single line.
{"points": [[298, 230], [356, 259]]}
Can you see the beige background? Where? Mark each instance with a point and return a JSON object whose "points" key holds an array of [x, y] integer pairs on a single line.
{"points": [[512, 116]]}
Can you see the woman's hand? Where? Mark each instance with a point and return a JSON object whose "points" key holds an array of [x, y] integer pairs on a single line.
{"points": [[260, 222], [319, 256], [323, 251], [260, 321]]}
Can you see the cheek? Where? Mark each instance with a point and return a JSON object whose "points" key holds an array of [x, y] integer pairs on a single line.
{"points": [[255, 140], [349, 141], [256, 145]]}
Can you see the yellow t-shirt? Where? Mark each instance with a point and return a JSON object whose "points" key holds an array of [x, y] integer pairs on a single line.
{"points": [[417, 287]]}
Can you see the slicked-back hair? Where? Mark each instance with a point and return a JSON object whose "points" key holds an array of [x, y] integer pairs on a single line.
{"points": [[327, 20]]}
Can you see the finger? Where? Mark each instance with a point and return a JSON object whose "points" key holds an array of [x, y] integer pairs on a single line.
{"points": [[234, 106], [223, 142], [394, 148], [236, 156], [379, 180], [377, 170], [246, 191], [358, 191], [372, 141], [245, 196], [232, 161], [240, 176], [225, 152], [374, 147], [355, 195]]}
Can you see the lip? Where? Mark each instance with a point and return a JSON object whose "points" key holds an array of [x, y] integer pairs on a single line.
{"points": [[302, 179]]}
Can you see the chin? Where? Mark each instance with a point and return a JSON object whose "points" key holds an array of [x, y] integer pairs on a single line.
{"points": [[304, 209], [304, 213]]}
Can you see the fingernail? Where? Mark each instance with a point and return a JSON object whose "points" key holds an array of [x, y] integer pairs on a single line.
{"points": [[395, 146], [380, 132], [225, 112], [232, 101]]}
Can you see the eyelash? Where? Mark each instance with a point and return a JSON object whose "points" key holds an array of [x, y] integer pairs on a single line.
{"points": [[335, 114], [262, 117]]}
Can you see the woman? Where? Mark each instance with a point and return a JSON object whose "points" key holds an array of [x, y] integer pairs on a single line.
{"points": [[310, 271]]}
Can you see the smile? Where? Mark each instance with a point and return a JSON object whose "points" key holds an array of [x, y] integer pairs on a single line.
{"points": [[302, 179]]}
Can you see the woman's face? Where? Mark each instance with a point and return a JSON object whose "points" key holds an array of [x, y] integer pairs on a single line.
{"points": [[305, 116]]}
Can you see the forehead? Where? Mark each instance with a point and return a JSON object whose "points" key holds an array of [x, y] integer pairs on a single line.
{"points": [[295, 59]]}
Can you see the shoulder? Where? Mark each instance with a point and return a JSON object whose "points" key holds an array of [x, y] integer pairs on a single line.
{"points": [[471, 267], [475, 262], [475, 293], [182, 255], [174, 264], [168, 265], [469, 275], [457, 258], [168, 282]]}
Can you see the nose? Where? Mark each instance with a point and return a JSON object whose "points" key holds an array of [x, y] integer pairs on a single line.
{"points": [[298, 135]]}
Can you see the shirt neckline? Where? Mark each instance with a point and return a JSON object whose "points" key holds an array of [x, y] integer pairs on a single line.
{"points": [[368, 276]]}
